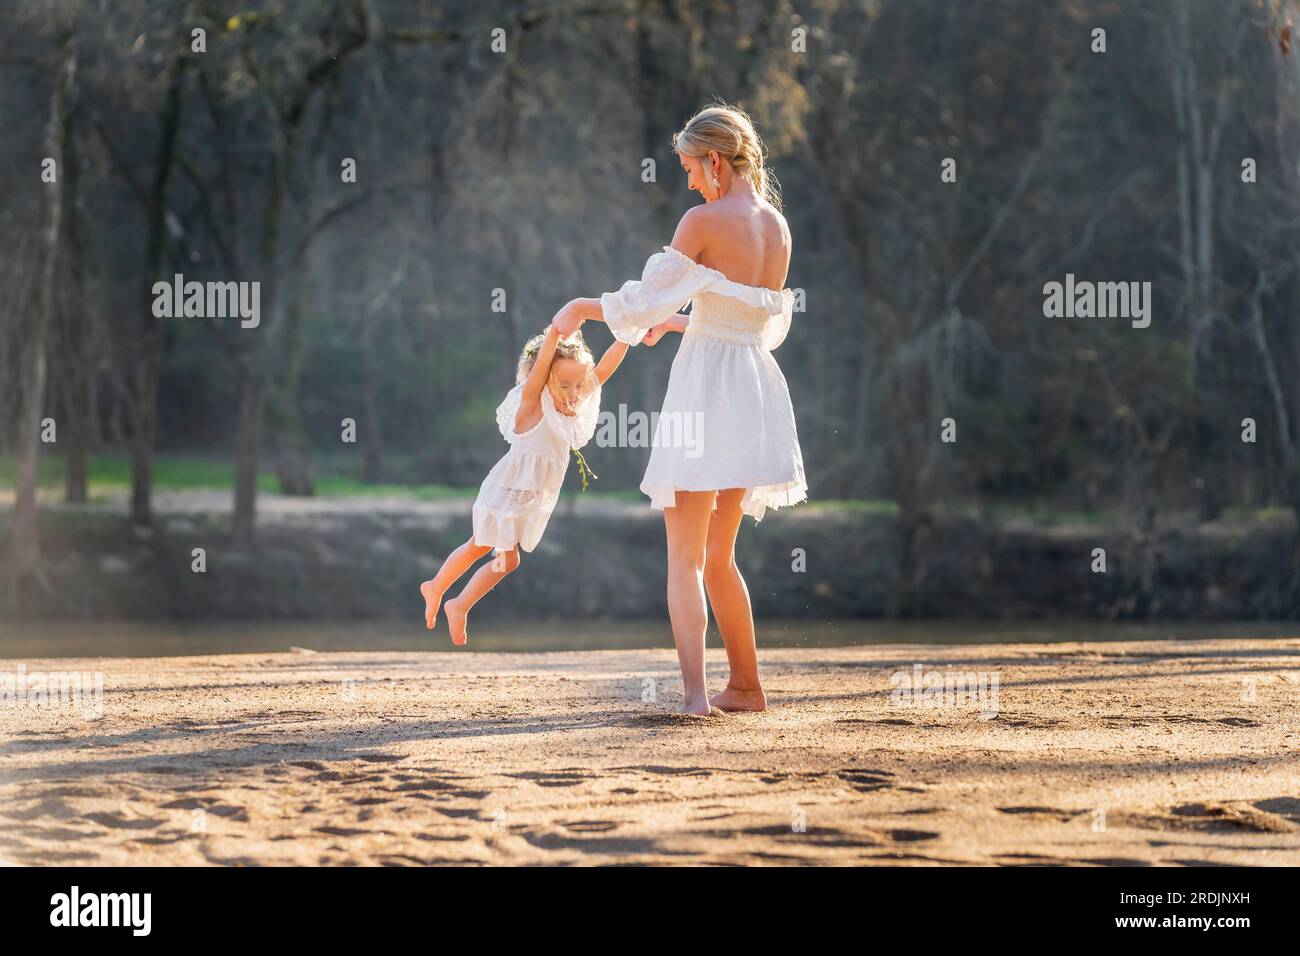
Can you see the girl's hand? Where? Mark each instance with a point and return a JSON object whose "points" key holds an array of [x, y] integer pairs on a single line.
{"points": [[654, 335]]}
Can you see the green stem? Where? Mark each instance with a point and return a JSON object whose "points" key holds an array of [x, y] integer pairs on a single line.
{"points": [[583, 468]]}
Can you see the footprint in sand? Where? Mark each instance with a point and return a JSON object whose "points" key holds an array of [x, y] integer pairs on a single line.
{"points": [[1064, 816], [119, 821], [864, 780], [558, 778], [591, 826]]}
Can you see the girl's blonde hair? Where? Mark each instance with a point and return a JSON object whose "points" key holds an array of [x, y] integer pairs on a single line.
{"points": [[730, 131], [575, 348]]}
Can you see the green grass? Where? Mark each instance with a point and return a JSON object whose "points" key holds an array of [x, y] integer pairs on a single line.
{"points": [[1041, 514], [866, 505], [112, 473], [1269, 514]]}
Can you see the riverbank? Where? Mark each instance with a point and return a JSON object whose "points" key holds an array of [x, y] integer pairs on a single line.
{"points": [[1142, 753], [604, 559]]}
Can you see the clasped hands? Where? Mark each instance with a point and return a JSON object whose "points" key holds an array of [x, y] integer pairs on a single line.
{"points": [[570, 318]]}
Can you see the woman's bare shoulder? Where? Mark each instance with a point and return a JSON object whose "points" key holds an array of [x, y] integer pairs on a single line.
{"points": [[711, 221], [694, 230], [730, 241], [776, 222]]}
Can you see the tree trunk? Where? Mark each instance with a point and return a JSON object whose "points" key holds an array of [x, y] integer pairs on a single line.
{"points": [[76, 454], [149, 354], [293, 460], [370, 436], [77, 369], [248, 446], [1291, 594], [26, 540], [293, 465]]}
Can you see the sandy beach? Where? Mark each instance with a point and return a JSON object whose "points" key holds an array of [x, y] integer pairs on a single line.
{"points": [[1140, 753]]}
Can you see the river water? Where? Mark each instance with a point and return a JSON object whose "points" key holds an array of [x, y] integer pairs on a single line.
{"points": [[34, 639]]}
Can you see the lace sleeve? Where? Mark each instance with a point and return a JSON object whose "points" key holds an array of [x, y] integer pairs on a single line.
{"points": [[576, 429], [778, 326], [670, 280], [506, 412]]}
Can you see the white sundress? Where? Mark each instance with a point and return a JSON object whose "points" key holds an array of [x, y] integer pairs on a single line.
{"points": [[518, 495], [727, 420]]}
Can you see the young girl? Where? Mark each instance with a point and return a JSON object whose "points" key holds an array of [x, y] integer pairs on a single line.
{"points": [[552, 408]]}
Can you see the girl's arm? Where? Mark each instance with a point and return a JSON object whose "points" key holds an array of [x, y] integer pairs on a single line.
{"points": [[536, 380], [610, 361], [530, 398], [613, 357]]}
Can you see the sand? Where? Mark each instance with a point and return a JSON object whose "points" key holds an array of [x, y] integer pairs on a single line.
{"points": [[1135, 753]]}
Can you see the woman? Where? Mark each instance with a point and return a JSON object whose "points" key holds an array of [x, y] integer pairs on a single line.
{"points": [[730, 258]]}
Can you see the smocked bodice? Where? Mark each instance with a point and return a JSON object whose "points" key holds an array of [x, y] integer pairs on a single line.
{"points": [[727, 318]]}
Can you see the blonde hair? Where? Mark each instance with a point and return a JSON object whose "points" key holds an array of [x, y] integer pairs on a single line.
{"points": [[575, 348], [730, 131]]}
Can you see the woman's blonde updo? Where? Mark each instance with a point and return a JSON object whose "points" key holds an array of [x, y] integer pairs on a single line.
{"points": [[729, 130]]}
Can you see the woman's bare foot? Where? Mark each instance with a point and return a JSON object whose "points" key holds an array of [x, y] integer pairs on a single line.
{"points": [[700, 707], [734, 698], [456, 615], [432, 599]]}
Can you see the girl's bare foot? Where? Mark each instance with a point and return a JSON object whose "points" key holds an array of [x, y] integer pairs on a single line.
{"points": [[456, 615], [432, 599], [733, 698]]}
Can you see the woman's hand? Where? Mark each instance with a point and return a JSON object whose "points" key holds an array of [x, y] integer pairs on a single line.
{"points": [[567, 320], [676, 323]]}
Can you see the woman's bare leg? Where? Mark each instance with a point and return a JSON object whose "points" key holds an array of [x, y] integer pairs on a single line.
{"points": [[484, 580], [457, 563], [687, 525], [729, 599]]}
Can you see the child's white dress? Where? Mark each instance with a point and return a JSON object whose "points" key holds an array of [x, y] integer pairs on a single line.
{"points": [[727, 420], [518, 495]]}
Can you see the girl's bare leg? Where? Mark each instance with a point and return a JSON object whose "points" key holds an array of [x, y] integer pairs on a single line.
{"points": [[687, 525], [457, 563], [484, 580], [729, 599]]}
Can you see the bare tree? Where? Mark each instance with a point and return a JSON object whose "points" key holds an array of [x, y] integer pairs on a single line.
{"points": [[26, 550]]}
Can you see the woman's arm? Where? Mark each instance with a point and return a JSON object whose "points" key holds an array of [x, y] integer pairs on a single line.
{"points": [[575, 312], [668, 281], [676, 323]]}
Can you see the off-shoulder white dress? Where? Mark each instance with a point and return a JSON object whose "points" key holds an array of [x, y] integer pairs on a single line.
{"points": [[518, 495], [727, 420]]}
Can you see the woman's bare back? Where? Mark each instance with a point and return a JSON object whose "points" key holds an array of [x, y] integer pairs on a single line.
{"points": [[746, 239]]}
